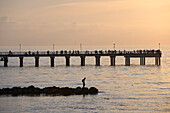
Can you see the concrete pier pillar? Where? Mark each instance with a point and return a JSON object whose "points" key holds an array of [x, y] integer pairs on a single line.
{"points": [[97, 60], [36, 61], [142, 60], [21, 61], [82, 60], [112, 60], [52, 60], [5, 61], [157, 61], [127, 61], [67, 60]]}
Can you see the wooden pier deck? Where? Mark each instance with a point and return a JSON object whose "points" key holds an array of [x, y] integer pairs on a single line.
{"points": [[142, 54]]}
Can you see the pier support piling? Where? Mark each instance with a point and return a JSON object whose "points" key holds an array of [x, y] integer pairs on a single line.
{"points": [[67, 60], [112, 60], [142, 60], [157, 61], [36, 61], [5, 61], [127, 61], [97, 60], [82, 60], [142, 54], [52, 61], [21, 61]]}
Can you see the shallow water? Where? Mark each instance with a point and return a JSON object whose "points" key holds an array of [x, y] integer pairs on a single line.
{"points": [[122, 88]]}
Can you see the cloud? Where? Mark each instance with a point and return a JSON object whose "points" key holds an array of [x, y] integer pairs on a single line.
{"points": [[5, 20]]}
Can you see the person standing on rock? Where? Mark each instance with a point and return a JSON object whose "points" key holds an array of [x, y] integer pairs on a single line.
{"points": [[83, 80]]}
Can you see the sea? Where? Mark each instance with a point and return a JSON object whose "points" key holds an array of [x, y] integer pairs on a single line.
{"points": [[122, 89]]}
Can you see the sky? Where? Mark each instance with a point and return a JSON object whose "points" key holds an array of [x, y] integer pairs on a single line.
{"points": [[89, 22]]}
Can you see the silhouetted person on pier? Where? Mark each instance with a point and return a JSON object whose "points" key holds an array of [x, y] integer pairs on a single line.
{"points": [[48, 52], [10, 53], [83, 80]]}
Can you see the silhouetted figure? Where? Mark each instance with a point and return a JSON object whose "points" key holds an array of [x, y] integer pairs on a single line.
{"points": [[48, 52], [83, 80]]}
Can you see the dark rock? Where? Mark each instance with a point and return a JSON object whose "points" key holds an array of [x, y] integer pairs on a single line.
{"points": [[78, 91], [16, 91], [31, 91], [5, 91], [78, 87], [31, 87], [51, 90], [85, 90], [66, 91], [93, 90]]}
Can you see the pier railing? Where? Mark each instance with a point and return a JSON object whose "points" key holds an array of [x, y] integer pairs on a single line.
{"points": [[142, 54], [76, 52]]}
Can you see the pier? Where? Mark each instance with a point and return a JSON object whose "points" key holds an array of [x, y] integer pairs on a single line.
{"points": [[141, 54]]}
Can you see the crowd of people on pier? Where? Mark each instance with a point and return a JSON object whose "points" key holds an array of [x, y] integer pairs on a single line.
{"points": [[77, 52]]}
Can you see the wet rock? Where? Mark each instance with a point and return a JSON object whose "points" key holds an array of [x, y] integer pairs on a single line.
{"points": [[16, 91], [51, 90], [93, 90], [66, 91], [31, 90], [5, 91], [85, 90], [31, 87], [78, 91]]}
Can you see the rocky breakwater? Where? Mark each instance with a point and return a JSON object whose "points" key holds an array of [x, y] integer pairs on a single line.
{"points": [[54, 91]]}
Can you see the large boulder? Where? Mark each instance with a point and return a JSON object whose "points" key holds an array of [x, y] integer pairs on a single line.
{"points": [[31, 90], [51, 90], [67, 91], [80, 91], [93, 90], [16, 91]]}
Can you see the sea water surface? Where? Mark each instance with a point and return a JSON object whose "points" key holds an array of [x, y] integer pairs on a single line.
{"points": [[122, 88]]}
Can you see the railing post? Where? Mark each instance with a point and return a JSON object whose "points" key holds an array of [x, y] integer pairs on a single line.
{"points": [[21, 61]]}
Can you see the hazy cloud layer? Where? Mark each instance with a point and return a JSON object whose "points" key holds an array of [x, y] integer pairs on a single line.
{"points": [[3, 19], [97, 22]]}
